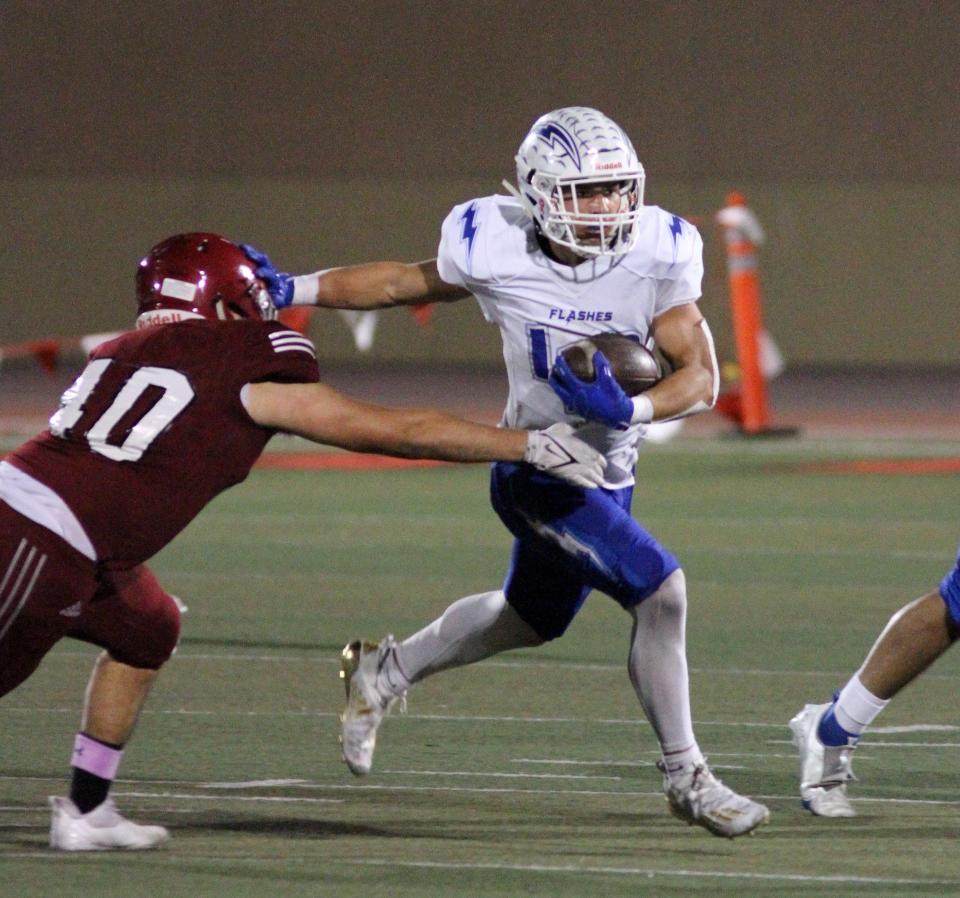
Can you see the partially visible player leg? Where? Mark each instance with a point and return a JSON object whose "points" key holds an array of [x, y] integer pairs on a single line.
{"points": [[47, 590], [376, 675], [115, 694], [471, 629], [139, 623], [827, 734], [40, 577], [88, 820], [658, 670], [913, 639]]}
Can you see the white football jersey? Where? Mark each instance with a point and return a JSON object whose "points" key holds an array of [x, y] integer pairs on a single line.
{"points": [[489, 246]]}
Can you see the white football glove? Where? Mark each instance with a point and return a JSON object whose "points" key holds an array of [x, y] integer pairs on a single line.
{"points": [[557, 451]]}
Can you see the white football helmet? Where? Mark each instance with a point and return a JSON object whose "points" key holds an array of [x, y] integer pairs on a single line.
{"points": [[565, 151]]}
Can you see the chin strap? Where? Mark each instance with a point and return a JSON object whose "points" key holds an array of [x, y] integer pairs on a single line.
{"points": [[512, 190]]}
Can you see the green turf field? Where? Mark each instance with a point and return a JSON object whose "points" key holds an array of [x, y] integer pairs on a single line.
{"points": [[532, 773]]}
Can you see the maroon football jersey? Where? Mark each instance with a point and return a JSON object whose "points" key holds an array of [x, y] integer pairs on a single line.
{"points": [[154, 428]]}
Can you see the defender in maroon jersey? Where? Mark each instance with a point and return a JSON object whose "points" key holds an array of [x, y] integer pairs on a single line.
{"points": [[155, 428], [159, 422]]}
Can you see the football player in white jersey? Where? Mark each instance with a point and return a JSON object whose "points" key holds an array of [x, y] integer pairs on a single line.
{"points": [[571, 253]]}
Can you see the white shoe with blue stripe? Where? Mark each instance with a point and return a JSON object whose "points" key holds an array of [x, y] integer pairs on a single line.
{"points": [[824, 770]]}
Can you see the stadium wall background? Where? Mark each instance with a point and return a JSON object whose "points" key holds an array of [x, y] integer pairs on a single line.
{"points": [[335, 132]]}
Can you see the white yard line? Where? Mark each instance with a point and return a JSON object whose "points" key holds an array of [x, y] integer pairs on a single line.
{"points": [[650, 872], [185, 655], [138, 791], [642, 873], [503, 775], [873, 744], [189, 796], [470, 790], [614, 762], [251, 784], [493, 718]]}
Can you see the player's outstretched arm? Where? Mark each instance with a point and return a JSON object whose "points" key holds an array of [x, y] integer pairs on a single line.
{"points": [[322, 414], [371, 285], [375, 285]]}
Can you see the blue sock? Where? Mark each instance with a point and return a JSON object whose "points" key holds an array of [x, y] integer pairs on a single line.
{"points": [[829, 731]]}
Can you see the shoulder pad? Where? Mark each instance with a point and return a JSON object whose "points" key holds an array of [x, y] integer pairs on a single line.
{"points": [[278, 353], [679, 241], [283, 339], [477, 237], [668, 244]]}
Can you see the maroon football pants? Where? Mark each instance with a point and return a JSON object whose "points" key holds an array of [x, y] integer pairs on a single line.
{"points": [[49, 590]]}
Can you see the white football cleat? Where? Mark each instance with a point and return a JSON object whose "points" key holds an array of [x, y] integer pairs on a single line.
{"points": [[700, 798], [101, 829], [360, 662], [824, 770]]}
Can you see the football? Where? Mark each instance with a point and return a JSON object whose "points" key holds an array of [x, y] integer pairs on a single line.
{"points": [[633, 366]]}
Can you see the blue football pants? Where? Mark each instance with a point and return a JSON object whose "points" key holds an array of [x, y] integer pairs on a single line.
{"points": [[569, 541]]}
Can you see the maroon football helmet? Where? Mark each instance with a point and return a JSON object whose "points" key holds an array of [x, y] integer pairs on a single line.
{"points": [[199, 276]]}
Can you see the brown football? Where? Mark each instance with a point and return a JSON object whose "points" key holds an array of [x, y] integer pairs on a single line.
{"points": [[633, 366]]}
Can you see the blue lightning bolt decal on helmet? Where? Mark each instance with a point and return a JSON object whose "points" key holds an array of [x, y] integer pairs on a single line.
{"points": [[560, 142]]}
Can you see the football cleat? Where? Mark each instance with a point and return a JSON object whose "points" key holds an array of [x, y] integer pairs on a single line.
{"points": [[360, 662], [824, 770], [698, 797], [101, 829]]}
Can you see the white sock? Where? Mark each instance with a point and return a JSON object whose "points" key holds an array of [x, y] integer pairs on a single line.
{"points": [[658, 671], [471, 629], [856, 707]]}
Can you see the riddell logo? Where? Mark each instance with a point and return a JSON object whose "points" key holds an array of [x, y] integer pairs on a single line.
{"points": [[609, 165], [163, 316]]}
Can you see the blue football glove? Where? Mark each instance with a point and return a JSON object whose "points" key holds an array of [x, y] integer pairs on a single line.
{"points": [[603, 400], [279, 283]]}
